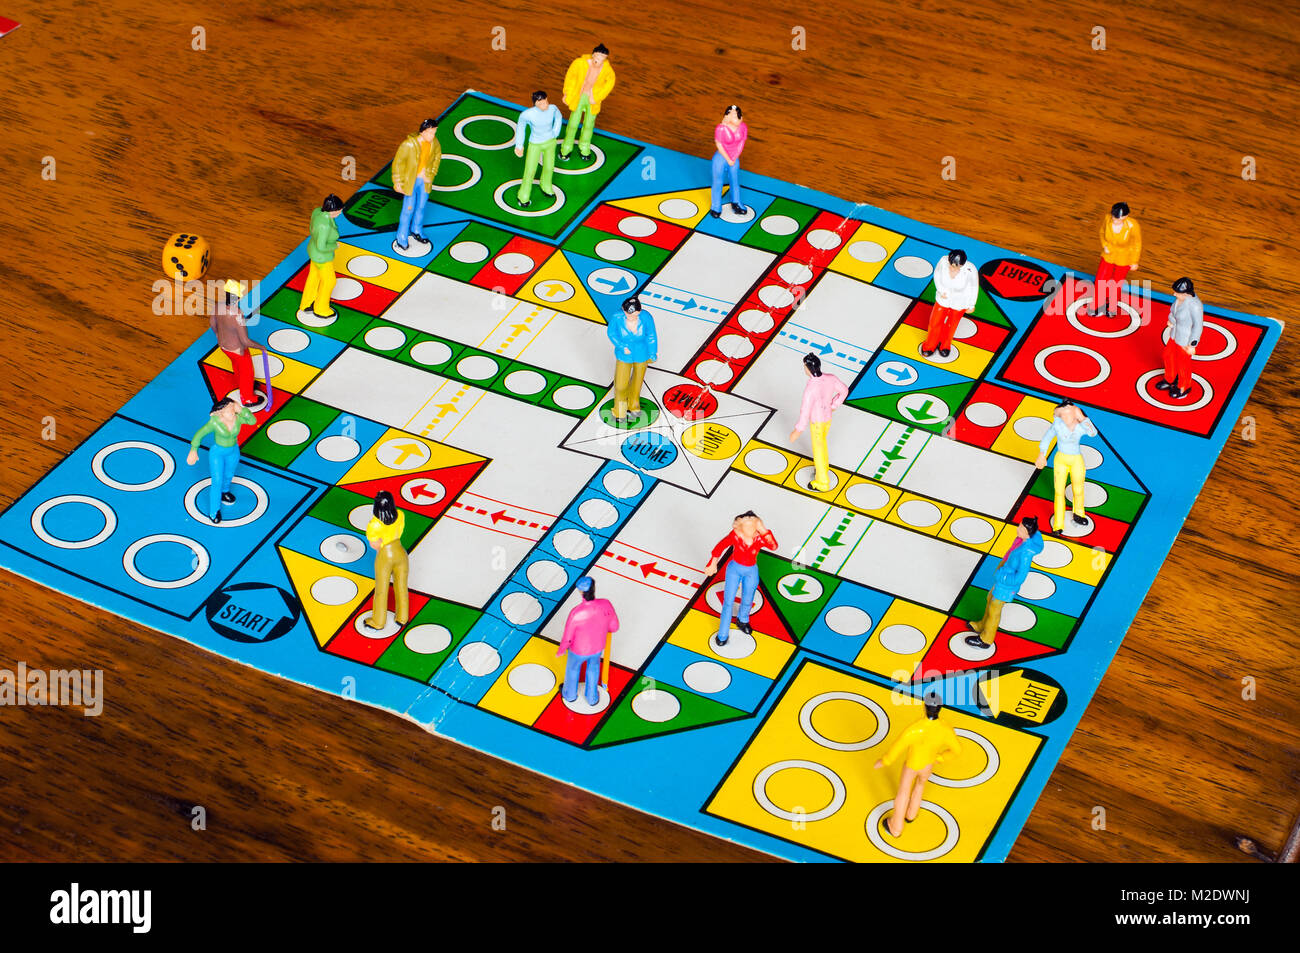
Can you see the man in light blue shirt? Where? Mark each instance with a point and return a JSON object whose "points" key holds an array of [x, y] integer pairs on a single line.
{"points": [[1186, 321], [1068, 426], [542, 123]]}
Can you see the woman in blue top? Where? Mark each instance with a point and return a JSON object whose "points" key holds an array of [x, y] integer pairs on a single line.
{"points": [[635, 346], [1007, 580]]}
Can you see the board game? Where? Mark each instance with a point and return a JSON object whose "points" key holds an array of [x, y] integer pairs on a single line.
{"points": [[473, 382]]}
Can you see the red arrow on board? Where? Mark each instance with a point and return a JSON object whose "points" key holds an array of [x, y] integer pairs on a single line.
{"points": [[648, 570]]}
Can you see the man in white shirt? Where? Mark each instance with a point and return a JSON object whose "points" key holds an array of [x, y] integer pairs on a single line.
{"points": [[956, 286]]}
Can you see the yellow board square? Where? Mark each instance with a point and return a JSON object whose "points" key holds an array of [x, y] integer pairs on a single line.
{"points": [[966, 361], [832, 800], [696, 631], [1084, 565], [756, 451], [400, 452], [863, 499], [292, 378], [968, 531], [866, 252], [930, 512], [796, 479], [900, 640], [1033, 416], [507, 700], [365, 265]]}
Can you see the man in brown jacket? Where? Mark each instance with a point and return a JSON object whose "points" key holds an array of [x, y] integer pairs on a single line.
{"points": [[227, 323]]}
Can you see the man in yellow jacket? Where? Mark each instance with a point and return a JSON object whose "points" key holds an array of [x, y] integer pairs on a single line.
{"points": [[1121, 247], [586, 84], [414, 169], [926, 743]]}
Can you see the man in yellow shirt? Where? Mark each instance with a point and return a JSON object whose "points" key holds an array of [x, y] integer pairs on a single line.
{"points": [[927, 743], [414, 168], [586, 84], [1121, 247]]}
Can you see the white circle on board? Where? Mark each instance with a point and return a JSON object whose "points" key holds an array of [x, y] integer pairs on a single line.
{"points": [[1207, 393], [469, 253], [429, 638], [959, 647], [778, 225], [544, 575], [972, 530], [712, 371], [1017, 618], [261, 502], [937, 357], [346, 289], [199, 564], [919, 513], [622, 484], [991, 763], [478, 658], [514, 263], [289, 340], [755, 320], [809, 588], [475, 173], [585, 168], [739, 645], [867, 496], [520, 608], [638, 226], [868, 252], [579, 705], [824, 239], [431, 353], [838, 790], [680, 209], [902, 639], [367, 266], [776, 296], [477, 367], [363, 625], [909, 266], [597, 513], [1055, 555], [615, 249], [1074, 530], [342, 548], [706, 677], [985, 414], [312, 320], [385, 338], [1092, 457], [951, 833], [38, 521], [1103, 366], [810, 730], [573, 544], [1031, 428], [794, 273], [422, 491], [338, 448], [728, 215], [459, 133], [360, 516], [525, 382], [573, 396], [1037, 586], [1072, 316], [1229, 345], [735, 346], [168, 465], [655, 705], [766, 462], [499, 196], [531, 679], [1093, 495], [333, 590], [966, 328], [807, 474], [849, 621]]}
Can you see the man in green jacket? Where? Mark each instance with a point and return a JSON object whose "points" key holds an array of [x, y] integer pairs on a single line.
{"points": [[414, 168], [320, 249], [224, 423]]}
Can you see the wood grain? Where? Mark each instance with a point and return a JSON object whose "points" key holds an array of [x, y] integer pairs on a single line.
{"points": [[240, 140]]}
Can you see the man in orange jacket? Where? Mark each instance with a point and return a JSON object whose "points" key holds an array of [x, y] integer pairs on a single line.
{"points": [[1121, 247]]}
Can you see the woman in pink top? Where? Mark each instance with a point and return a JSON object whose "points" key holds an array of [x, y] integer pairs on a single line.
{"points": [[587, 631], [729, 137], [748, 535]]}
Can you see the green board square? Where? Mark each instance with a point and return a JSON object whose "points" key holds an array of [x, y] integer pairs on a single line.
{"points": [[548, 399], [759, 237], [505, 385], [446, 263], [645, 258], [283, 306], [316, 416], [401, 659]]}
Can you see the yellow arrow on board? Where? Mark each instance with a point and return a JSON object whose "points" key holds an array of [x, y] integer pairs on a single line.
{"points": [[1019, 695]]}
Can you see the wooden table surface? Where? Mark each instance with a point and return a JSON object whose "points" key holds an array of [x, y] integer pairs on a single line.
{"points": [[240, 140]]}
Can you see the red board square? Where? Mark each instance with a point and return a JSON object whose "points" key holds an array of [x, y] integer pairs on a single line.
{"points": [[351, 644], [372, 300], [987, 337], [941, 659], [559, 721], [492, 277], [1106, 532], [967, 431], [607, 218]]}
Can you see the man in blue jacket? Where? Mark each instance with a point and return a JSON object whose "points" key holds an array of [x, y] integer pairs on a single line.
{"points": [[635, 345], [1007, 580]]}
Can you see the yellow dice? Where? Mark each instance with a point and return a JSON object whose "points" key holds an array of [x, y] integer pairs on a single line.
{"points": [[185, 257]]}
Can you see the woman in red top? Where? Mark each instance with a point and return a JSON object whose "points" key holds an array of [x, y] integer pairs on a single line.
{"points": [[748, 535]]}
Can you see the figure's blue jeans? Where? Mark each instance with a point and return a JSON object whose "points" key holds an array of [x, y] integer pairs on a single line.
{"points": [[720, 167], [221, 464], [412, 209], [593, 677], [746, 577]]}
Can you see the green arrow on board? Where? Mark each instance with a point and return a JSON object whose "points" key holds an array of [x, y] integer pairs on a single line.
{"points": [[796, 588], [922, 414]]}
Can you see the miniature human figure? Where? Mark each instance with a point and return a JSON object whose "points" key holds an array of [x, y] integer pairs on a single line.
{"points": [[956, 286], [1121, 247], [635, 346], [729, 137], [414, 168], [926, 743], [1010, 575], [227, 323], [542, 122], [1068, 426], [385, 534], [748, 535], [587, 631], [224, 423], [320, 249], [1186, 321], [821, 395], [586, 84]]}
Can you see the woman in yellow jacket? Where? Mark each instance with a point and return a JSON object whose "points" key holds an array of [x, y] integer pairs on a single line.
{"points": [[1121, 247], [586, 84], [385, 534]]}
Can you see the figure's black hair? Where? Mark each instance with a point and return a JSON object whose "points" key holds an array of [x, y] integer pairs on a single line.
{"points": [[957, 257], [540, 94], [385, 508], [813, 363], [221, 402], [601, 48], [1030, 523], [429, 124], [1119, 210], [747, 513], [332, 203], [739, 114], [1183, 286], [632, 304], [933, 705]]}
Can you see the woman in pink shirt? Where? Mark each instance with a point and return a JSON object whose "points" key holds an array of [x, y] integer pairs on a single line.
{"points": [[748, 535], [729, 137]]}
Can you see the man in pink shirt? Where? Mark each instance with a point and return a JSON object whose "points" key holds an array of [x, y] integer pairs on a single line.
{"points": [[821, 395], [729, 137], [586, 631]]}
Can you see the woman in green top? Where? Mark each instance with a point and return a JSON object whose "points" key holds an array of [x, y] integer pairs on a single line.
{"points": [[227, 419]]}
